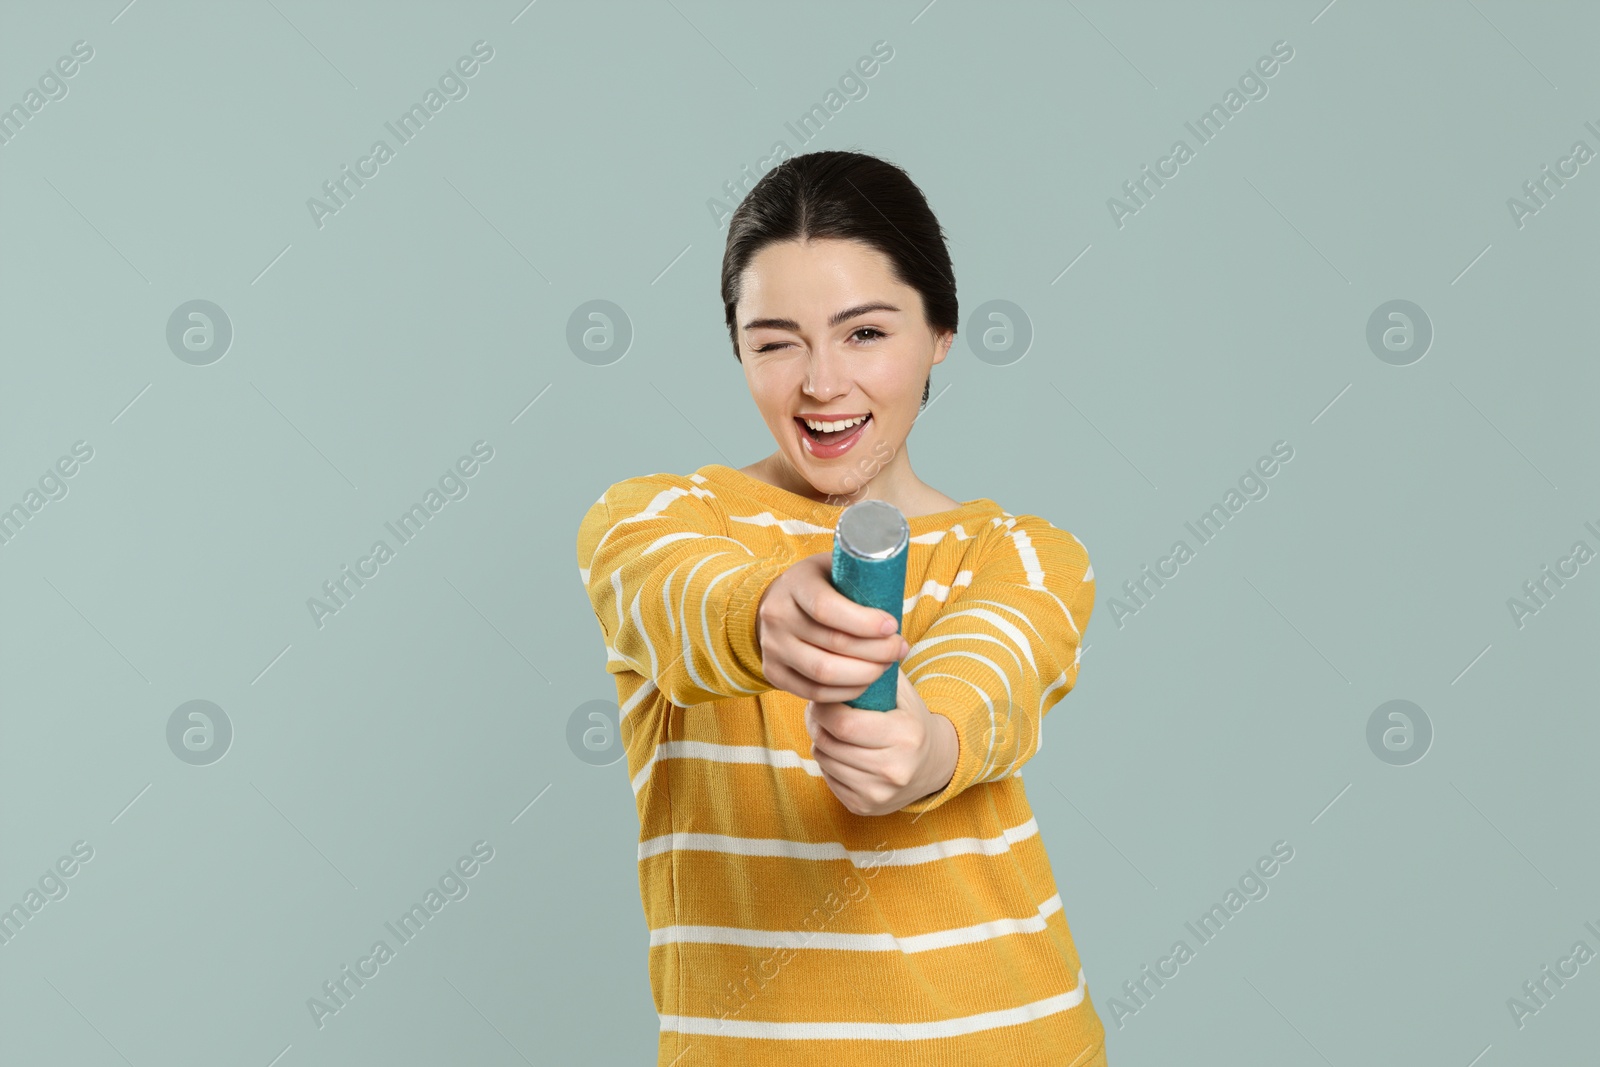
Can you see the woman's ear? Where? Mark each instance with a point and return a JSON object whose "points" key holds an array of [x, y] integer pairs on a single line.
{"points": [[941, 346]]}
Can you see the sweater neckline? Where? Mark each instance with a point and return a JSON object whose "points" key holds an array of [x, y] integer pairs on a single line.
{"points": [[796, 506]]}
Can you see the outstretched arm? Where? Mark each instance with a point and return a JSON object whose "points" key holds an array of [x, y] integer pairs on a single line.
{"points": [[675, 597], [1004, 650]]}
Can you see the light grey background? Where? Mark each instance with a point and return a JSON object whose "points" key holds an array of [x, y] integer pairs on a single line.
{"points": [[430, 312]]}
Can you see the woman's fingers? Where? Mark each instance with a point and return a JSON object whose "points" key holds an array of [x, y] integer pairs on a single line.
{"points": [[787, 680], [819, 680], [877, 649], [839, 754], [831, 669], [822, 602], [817, 643]]}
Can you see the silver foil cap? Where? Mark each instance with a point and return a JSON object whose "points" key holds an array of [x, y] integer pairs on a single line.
{"points": [[873, 529]]}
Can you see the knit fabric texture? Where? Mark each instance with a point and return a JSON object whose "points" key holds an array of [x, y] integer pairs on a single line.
{"points": [[785, 929]]}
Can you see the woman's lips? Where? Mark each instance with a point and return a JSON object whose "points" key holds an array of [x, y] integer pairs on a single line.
{"points": [[833, 449]]}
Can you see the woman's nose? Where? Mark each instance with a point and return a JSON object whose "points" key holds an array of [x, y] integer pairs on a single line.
{"points": [[825, 377]]}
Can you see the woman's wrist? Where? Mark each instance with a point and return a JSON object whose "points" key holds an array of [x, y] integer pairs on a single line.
{"points": [[942, 755]]}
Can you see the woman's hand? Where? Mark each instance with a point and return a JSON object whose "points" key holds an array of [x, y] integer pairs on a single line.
{"points": [[816, 642], [877, 762]]}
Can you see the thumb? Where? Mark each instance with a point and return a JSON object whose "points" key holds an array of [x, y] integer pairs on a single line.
{"points": [[903, 688]]}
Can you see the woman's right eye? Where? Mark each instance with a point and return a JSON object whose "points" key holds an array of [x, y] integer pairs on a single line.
{"points": [[771, 346]]}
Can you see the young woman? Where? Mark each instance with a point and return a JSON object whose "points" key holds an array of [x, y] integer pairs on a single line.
{"points": [[824, 884]]}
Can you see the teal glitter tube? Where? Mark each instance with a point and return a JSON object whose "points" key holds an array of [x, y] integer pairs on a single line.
{"points": [[869, 567]]}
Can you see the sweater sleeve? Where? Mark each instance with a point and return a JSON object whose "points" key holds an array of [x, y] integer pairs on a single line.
{"points": [[1004, 650], [674, 595]]}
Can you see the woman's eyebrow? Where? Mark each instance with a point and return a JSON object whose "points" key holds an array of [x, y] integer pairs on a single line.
{"points": [[838, 317]]}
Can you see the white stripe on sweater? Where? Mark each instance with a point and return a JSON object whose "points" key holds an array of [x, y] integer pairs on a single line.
{"points": [[634, 701], [707, 750], [909, 856], [882, 942], [850, 1031], [687, 656], [937, 592], [788, 526], [957, 531]]}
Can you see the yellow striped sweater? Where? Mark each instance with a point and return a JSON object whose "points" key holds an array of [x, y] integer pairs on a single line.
{"points": [[785, 929]]}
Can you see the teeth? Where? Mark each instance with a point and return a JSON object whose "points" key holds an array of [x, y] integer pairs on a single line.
{"points": [[831, 427]]}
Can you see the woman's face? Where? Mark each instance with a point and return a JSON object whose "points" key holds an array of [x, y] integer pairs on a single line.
{"points": [[825, 329]]}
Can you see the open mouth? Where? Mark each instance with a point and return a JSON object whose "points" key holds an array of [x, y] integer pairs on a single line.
{"points": [[825, 444], [829, 437]]}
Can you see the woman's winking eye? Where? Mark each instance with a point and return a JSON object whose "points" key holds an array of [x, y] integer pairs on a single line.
{"points": [[859, 329]]}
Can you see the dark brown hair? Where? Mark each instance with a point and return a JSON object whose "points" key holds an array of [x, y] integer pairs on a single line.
{"points": [[851, 196]]}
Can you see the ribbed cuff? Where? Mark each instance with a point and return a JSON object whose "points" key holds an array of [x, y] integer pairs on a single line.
{"points": [[969, 731]]}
